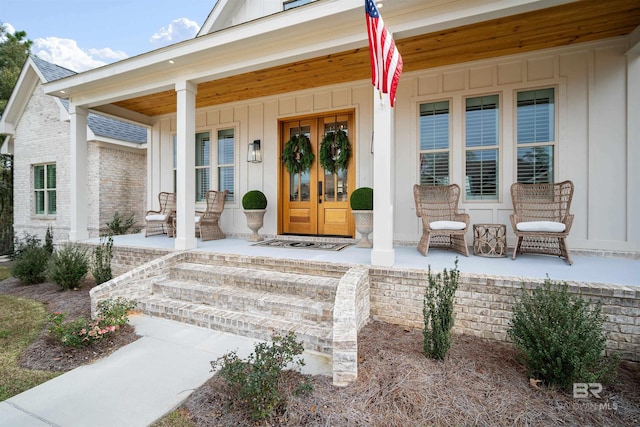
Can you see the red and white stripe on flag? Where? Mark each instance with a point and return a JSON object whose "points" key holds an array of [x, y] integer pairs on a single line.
{"points": [[386, 62]]}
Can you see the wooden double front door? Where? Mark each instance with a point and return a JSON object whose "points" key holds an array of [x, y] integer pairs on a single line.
{"points": [[316, 202]]}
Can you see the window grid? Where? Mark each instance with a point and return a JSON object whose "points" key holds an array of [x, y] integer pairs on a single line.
{"points": [[482, 152], [535, 135], [44, 189], [203, 168], [434, 143], [226, 162]]}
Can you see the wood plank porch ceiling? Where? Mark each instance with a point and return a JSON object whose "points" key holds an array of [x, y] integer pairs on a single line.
{"points": [[567, 24]]}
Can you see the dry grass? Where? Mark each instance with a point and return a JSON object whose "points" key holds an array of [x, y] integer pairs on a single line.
{"points": [[479, 383]]}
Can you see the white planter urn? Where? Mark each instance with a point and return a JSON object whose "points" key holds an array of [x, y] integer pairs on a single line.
{"points": [[364, 226], [255, 221]]}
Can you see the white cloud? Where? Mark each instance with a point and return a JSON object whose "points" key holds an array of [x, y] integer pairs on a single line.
{"points": [[67, 53], [8, 29], [178, 30]]}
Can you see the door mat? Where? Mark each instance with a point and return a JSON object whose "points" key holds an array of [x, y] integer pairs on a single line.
{"points": [[301, 244]]}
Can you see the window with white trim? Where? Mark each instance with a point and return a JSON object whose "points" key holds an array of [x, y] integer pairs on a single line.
{"points": [[44, 189], [482, 147], [535, 135], [435, 144], [203, 165], [226, 162]]}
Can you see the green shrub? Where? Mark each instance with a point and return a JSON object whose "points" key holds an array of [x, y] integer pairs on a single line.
{"points": [[82, 332], [362, 199], [119, 225], [254, 199], [30, 261], [114, 312], [437, 311], [560, 336], [48, 240], [68, 266], [255, 382], [101, 265]]}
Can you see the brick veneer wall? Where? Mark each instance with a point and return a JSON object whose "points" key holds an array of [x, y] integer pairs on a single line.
{"points": [[122, 185], [484, 303], [116, 178]]}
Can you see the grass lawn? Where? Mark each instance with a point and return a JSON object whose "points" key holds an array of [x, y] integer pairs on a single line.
{"points": [[21, 321], [5, 272]]}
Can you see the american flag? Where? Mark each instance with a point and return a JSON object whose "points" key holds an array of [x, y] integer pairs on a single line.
{"points": [[386, 62]]}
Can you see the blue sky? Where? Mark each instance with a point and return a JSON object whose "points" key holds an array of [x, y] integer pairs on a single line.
{"points": [[84, 34]]}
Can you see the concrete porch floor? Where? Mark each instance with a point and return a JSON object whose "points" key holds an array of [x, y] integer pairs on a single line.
{"points": [[587, 268]]}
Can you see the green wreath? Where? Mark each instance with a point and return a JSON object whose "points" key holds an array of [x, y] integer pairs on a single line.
{"points": [[335, 151], [297, 154]]}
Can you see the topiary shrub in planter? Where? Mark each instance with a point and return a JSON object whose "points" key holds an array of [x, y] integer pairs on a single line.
{"points": [[254, 203], [361, 201], [254, 199]]}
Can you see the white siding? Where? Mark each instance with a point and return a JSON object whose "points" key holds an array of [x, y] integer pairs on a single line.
{"points": [[592, 143]]}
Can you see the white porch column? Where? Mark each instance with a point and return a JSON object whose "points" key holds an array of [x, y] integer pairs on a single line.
{"points": [[78, 173], [633, 140], [383, 181], [185, 166]]}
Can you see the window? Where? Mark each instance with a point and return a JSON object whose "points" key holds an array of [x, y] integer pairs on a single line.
{"points": [[44, 189], [203, 170], [226, 158], [481, 147], [536, 135], [434, 143], [294, 3]]}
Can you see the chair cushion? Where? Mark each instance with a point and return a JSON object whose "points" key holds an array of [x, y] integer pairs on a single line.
{"points": [[542, 226], [197, 219], [155, 217], [447, 225]]}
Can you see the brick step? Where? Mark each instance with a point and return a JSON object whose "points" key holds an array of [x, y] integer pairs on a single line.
{"points": [[304, 285], [293, 308], [317, 338]]}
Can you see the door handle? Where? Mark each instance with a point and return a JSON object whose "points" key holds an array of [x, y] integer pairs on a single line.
{"points": [[319, 191]]}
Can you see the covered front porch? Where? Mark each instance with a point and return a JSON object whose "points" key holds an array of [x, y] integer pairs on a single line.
{"points": [[589, 266]]}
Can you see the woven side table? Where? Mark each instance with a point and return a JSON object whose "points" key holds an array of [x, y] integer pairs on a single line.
{"points": [[490, 240]]}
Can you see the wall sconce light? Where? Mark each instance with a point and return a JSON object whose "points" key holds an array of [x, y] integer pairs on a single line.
{"points": [[253, 154]]}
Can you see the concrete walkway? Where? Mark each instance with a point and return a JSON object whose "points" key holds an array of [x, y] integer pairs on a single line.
{"points": [[136, 385]]}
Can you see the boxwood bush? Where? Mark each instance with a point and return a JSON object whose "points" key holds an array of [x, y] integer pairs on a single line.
{"points": [[561, 337], [362, 199], [254, 199]]}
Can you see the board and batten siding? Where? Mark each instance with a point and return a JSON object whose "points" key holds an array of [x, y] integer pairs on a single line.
{"points": [[591, 88]]}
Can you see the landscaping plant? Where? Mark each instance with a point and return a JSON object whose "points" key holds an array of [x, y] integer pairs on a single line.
{"points": [[256, 381], [437, 311], [30, 260], [68, 266], [48, 240], [119, 225], [112, 314], [561, 336], [101, 265]]}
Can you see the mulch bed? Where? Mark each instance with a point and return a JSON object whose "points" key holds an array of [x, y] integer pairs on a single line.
{"points": [[480, 382], [48, 354]]}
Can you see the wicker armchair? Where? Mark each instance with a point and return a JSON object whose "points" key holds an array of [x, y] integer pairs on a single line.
{"points": [[207, 223], [161, 221], [442, 225], [541, 220]]}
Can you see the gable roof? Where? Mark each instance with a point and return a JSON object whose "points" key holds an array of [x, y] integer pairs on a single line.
{"points": [[100, 125]]}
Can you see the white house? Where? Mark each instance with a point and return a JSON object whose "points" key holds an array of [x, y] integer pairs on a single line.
{"points": [[492, 92], [38, 132]]}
